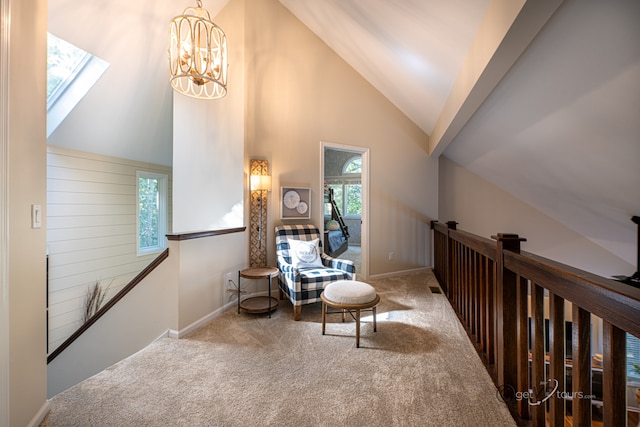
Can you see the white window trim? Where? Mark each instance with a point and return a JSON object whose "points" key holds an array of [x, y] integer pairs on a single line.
{"points": [[66, 97], [163, 180]]}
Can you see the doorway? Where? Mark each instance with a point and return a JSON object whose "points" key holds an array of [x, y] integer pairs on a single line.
{"points": [[344, 171]]}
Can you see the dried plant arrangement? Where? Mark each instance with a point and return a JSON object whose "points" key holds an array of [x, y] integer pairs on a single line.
{"points": [[93, 300]]}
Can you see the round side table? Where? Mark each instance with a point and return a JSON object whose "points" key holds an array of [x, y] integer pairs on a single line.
{"points": [[260, 304]]}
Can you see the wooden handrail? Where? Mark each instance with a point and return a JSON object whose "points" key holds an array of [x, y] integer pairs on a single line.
{"points": [[499, 294], [606, 298], [137, 279], [205, 233], [483, 246], [112, 302]]}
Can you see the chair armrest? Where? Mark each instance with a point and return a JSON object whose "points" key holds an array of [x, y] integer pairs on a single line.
{"points": [[289, 274], [339, 264], [287, 269]]}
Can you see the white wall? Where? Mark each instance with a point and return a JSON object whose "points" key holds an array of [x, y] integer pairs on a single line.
{"points": [[26, 185], [299, 93], [208, 145], [484, 209], [144, 314], [561, 129], [127, 113], [209, 182], [189, 285], [203, 265], [91, 231]]}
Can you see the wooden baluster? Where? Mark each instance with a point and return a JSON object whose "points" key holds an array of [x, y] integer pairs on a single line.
{"points": [[523, 344], [557, 355], [477, 297], [455, 276], [614, 375], [491, 307], [581, 369], [473, 289], [506, 334], [460, 277], [482, 302], [451, 225], [465, 284], [538, 380]]}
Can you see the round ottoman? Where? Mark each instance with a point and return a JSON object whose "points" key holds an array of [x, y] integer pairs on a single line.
{"points": [[351, 296]]}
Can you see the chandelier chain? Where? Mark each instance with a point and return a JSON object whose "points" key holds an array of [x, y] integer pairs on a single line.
{"points": [[199, 3]]}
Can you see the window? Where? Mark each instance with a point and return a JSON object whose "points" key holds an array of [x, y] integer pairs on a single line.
{"points": [[353, 199], [71, 73], [348, 197], [337, 196], [353, 165], [151, 212], [64, 62]]}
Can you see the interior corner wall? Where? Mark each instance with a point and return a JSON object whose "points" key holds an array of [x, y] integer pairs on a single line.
{"points": [[299, 93], [26, 187], [208, 144], [209, 182], [151, 306], [482, 208]]}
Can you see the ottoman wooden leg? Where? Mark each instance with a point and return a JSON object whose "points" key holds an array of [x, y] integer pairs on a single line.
{"points": [[375, 329], [324, 316], [358, 328]]}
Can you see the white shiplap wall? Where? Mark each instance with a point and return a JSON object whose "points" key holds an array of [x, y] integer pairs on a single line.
{"points": [[91, 231]]}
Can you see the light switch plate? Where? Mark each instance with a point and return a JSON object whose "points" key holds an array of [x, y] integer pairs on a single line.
{"points": [[36, 216]]}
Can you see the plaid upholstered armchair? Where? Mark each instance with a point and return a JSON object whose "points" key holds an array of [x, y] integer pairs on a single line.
{"points": [[304, 269]]}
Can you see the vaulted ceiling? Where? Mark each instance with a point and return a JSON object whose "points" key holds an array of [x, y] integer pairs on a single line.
{"points": [[411, 51], [560, 129]]}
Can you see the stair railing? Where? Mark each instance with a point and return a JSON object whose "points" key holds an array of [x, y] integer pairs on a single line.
{"points": [[504, 297]]}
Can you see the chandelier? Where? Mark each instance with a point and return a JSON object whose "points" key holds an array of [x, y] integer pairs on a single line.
{"points": [[197, 55]]}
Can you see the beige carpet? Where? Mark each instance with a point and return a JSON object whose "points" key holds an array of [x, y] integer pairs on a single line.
{"points": [[353, 253], [419, 369]]}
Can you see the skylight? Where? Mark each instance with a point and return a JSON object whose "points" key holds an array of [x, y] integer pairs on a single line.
{"points": [[71, 73]]}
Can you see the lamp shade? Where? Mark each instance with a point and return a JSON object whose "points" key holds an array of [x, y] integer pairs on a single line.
{"points": [[260, 182]]}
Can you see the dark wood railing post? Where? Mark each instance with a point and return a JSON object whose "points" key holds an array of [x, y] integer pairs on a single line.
{"points": [[500, 295], [506, 312]]}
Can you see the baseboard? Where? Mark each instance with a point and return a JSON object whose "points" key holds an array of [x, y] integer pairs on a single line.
{"points": [[171, 333], [39, 417], [165, 334], [399, 273]]}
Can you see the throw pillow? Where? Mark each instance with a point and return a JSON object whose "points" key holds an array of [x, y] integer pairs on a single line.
{"points": [[305, 254]]}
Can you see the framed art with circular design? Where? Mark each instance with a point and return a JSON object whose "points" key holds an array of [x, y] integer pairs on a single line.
{"points": [[295, 203]]}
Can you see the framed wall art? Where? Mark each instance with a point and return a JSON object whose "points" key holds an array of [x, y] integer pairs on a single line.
{"points": [[295, 202]]}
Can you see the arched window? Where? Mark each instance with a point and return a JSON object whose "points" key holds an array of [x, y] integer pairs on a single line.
{"points": [[353, 165]]}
